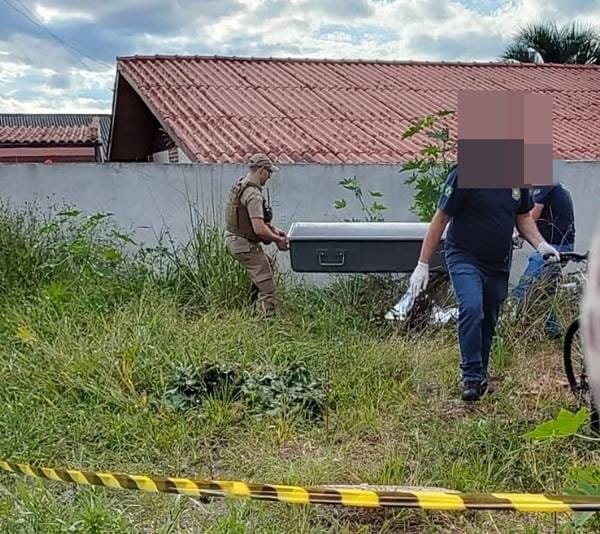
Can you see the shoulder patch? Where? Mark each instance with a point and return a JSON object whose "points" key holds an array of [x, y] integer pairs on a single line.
{"points": [[448, 190], [516, 193]]}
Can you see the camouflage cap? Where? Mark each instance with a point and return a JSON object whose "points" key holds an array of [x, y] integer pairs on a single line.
{"points": [[262, 160]]}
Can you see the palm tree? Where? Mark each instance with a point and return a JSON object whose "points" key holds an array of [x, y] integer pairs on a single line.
{"points": [[570, 43]]}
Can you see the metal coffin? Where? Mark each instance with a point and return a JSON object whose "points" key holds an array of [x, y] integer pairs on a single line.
{"points": [[357, 247]]}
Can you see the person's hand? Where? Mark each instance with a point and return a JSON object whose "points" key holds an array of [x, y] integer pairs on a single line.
{"points": [[282, 242], [419, 279], [548, 252]]}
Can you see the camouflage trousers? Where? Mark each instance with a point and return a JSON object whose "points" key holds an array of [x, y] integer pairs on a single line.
{"points": [[253, 258]]}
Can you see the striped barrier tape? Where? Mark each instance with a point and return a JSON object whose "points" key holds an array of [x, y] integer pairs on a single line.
{"points": [[423, 499]]}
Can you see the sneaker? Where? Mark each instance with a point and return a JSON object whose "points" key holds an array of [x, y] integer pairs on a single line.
{"points": [[471, 391], [483, 385]]}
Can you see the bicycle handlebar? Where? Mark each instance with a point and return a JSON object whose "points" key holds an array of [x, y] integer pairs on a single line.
{"points": [[574, 257], [566, 257]]}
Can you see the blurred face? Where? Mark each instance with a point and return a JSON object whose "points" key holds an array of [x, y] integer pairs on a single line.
{"points": [[264, 174]]}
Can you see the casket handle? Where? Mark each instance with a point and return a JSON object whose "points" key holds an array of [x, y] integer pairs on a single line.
{"points": [[324, 263]]}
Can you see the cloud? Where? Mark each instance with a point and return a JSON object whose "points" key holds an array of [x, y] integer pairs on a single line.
{"points": [[59, 81], [40, 72]]}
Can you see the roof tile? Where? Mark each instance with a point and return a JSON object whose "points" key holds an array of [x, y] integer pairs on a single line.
{"points": [[223, 109]]}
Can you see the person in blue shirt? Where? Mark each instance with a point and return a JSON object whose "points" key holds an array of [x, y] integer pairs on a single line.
{"points": [[554, 214], [478, 251]]}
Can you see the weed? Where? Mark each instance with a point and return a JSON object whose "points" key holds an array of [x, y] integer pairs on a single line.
{"points": [[89, 341]]}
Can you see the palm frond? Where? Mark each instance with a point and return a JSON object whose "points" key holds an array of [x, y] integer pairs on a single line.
{"points": [[569, 43]]}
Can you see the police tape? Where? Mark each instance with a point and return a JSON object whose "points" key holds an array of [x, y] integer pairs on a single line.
{"points": [[355, 497]]}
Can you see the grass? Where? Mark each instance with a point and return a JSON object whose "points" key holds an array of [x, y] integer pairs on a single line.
{"points": [[91, 339]]}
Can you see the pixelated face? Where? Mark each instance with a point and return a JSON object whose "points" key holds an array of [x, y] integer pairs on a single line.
{"points": [[504, 139]]}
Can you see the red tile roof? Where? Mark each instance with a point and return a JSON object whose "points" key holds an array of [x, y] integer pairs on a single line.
{"points": [[49, 125], [49, 135], [224, 109]]}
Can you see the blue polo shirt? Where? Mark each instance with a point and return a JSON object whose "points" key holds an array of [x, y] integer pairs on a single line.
{"points": [[557, 220], [482, 223]]}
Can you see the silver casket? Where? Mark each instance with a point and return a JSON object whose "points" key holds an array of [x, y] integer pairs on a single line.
{"points": [[358, 247]]}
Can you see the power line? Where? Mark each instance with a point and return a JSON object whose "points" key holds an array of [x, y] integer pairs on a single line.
{"points": [[31, 18]]}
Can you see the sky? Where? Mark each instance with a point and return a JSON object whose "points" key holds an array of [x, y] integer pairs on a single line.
{"points": [[59, 55]]}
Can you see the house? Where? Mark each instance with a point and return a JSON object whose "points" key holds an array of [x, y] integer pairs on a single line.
{"points": [[53, 137], [221, 110]]}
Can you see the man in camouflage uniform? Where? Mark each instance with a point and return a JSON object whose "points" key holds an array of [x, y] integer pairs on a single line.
{"points": [[248, 220]]}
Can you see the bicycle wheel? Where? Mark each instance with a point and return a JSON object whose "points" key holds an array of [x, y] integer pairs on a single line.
{"points": [[575, 370], [574, 366]]}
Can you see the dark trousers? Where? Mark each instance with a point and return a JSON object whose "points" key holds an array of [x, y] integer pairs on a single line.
{"points": [[479, 296], [537, 270]]}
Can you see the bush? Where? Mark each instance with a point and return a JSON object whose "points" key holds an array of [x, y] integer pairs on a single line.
{"points": [[52, 252]]}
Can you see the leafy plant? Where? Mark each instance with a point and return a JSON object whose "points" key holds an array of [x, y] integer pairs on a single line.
{"points": [[373, 212], [584, 481], [570, 43], [192, 386], [293, 390], [37, 250], [565, 424], [430, 168], [273, 393]]}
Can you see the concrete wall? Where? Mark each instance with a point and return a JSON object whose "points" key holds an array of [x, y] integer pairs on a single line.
{"points": [[151, 198]]}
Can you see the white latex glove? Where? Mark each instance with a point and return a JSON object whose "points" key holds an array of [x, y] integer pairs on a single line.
{"points": [[548, 252], [419, 279]]}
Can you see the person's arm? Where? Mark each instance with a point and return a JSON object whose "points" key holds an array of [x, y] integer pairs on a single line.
{"points": [[536, 212], [432, 239], [431, 242], [263, 230], [278, 231], [528, 229], [254, 204]]}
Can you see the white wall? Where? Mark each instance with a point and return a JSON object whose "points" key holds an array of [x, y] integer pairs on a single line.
{"points": [[148, 198]]}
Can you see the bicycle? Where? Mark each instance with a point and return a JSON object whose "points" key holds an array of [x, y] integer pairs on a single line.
{"points": [[573, 354]]}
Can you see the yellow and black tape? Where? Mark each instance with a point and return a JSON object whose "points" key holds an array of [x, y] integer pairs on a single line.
{"points": [[423, 499]]}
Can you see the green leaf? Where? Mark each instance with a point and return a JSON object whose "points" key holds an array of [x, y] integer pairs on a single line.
{"points": [[351, 184], [565, 424], [55, 292], [587, 475], [430, 151], [586, 482], [414, 129], [123, 237], [378, 207], [412, 165], [339, 204], [111, 254], [49, 228], [69, 213], [99, 216], [376, 194]]}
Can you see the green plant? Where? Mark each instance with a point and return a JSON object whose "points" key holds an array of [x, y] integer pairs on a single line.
{"points": [[565, 425], [430, 168], [286, 391], [84, 386], [191, 385], [570, 43], [203, 274], [373, 212]]}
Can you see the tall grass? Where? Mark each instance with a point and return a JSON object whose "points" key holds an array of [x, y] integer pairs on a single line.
{"points": [[204, 275], [93, 329]]}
